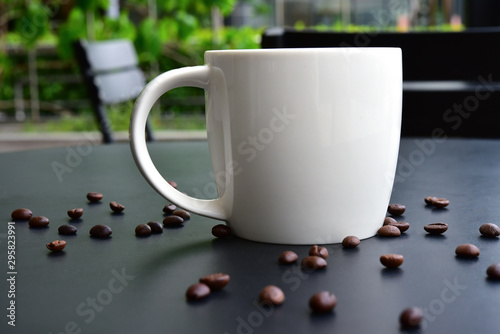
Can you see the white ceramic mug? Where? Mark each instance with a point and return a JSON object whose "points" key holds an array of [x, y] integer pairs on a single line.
{"points": [[303, 142]]}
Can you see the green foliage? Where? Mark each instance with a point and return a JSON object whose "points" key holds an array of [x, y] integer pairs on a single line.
{"points": [[33, 24]]}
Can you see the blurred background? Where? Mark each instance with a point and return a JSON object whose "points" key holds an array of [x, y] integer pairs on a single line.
{"points": [[41, 87]]}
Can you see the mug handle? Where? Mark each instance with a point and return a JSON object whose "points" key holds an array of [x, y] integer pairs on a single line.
{"points": [[195, 76]]}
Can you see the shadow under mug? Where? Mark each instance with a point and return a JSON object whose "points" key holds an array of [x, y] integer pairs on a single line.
{"points": [[303, 142]]}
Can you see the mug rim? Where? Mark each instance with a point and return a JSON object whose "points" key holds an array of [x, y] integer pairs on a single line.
{"points": [[303, 50]]}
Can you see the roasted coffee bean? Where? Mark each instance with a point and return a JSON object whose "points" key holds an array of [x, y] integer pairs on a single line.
{"points": [[38, 221], [94, 197], [402, 226], [389, 231], [396, 209], [436, 228], [467, 250], [156, 227], [173, 221], [221, 231], [197, 291], [323, 302], [173, 184], [100, 231], [75, 213], [56, 246], [312, 262], [182, 213], [143, 230], [318, 251], [21, 214], [350, 241], [429, 199], [272, 294], [169, 208], [215, 281], [440, 203], [116, 207], [411, 317], [67, 230], [490, 230], [388, 220], [391, 260], [493, 271], [288, 257]]}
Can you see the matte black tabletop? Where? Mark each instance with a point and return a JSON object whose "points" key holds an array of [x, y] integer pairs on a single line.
{"points": [[137, 285]]}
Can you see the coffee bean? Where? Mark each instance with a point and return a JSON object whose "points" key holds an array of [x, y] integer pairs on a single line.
{"points": [[440, 203], [389, 231], [215, 281], [156, 227], [182, 213], [493, 271], [411, 317], [391, 260], [436, 228], [116, 207], [67, 230], [323, 302], [94, 197], [402, 226], [197, 291], [56, 246], [169, 208], [221, 231], [173, 184], [75, 213], [313, 263], [100, 231], [388, 220], [142, 230], [396, 209], [38, 221], [429, 199], [272, 294], [490, 230], [288, 257], [350, 241], [173, 221], [467, 250], [318, 251], [21, 214]]}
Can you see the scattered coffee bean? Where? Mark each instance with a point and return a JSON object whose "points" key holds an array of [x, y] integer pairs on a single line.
{"points": [[142, 230], [94, 197], [411, 317], [156, 227], [389, 231], [116, 207], [182, 213], [402, 226], [21, 214], [467, 250], [67, 230], [197, 291], [38, 221], [323, 302], [391, 260], [436, 228], [312, 262], [75, 213], [173, 184], [440, 203], [173, 221], [221, 231], [388, 220], [56, 246], [493, 271], [215, 281], [429, 199], [490, 230], [100, 231], [169, 208], [318, 251], [272, 294], [350, 241], [396, 209], [288, 257]]}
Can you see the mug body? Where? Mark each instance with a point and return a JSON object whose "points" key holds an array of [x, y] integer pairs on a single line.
{"points": [[304, 142]]}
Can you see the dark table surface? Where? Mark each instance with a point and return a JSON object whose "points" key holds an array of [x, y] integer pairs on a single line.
{"points": [[137, 285]]}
